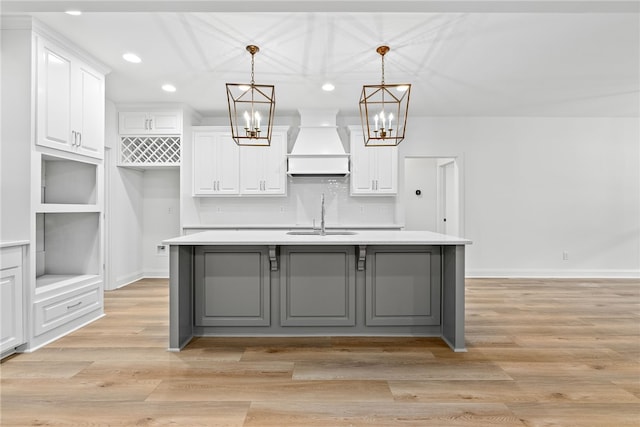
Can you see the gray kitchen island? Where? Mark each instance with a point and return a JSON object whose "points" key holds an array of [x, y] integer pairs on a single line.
{"points": [[304, 283]]}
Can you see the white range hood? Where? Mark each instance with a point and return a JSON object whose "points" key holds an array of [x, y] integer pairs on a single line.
{"points": [[318, 150]]}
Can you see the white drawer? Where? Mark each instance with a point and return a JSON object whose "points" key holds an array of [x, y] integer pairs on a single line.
{"points": [[60, 309]]}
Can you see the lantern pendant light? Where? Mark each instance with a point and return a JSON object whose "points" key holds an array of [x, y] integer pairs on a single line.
{"points": [[251, 109], [383, 110]]}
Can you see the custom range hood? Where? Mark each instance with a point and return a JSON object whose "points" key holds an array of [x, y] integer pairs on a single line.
{"points": [[318, 150]]}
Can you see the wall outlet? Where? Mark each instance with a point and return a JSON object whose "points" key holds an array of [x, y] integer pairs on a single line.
{"points": [[282, 209], [565, 256], [161, 249]]}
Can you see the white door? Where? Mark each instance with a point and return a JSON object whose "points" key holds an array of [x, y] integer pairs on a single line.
{"points": [[386, 169], [227, 164], [89, 114], [204, 175], [133, 123], [251, 169], [363, 166], [54, 97], [274, 166], [449, 198]]}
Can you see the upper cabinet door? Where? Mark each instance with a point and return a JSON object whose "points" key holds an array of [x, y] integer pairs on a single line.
{"points": [[54, 97], [263, 169], [374, 169], [215, 164], [150, 123], [133, 123], [90, 112], [70, 102]]}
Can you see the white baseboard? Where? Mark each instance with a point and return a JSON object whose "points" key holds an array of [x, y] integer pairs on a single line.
{"points": [[156, 274], [128, 279], [549, 274]]}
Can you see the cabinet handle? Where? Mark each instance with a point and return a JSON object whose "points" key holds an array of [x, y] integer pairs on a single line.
{"points": [[79, 139], [146, 124], [150, 124], [69, 307], [73, 137]]}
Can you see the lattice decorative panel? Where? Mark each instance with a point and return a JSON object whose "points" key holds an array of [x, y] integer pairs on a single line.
{"points": [[150, 150]]}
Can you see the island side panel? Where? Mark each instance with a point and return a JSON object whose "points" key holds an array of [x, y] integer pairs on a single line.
{"points": [[180, 296], [453, 297]]}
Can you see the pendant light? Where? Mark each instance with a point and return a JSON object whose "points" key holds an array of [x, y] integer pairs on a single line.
{"points": [[251, 109], [383, 110]]}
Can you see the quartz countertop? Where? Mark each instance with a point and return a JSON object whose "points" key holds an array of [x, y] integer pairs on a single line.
{"points": [[280, 237]]}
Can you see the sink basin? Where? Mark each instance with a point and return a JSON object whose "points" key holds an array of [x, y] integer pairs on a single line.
{"points": [[317, 233]]}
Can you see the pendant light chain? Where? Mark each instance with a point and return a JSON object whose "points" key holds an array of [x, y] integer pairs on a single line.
{"points": [[382, 70], [252, 65]]}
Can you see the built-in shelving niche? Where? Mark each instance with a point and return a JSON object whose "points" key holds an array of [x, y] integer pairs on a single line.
{"points": [[67, 182], [67, 248]]}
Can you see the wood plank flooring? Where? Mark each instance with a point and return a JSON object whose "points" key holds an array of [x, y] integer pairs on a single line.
{"points": [[541, 353]]}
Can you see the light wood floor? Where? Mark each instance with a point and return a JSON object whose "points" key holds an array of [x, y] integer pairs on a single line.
{"points": [[541, 353]]}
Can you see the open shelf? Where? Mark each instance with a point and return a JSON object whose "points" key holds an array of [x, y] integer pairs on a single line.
{"points": [[67, 182], [67, 248]]}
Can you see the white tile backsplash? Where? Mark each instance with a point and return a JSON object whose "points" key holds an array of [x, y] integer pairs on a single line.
{"points": [[300, 207]]}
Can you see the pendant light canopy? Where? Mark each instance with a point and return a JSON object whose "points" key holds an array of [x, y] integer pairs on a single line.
{"points": [[251, 109], [383, 110]]}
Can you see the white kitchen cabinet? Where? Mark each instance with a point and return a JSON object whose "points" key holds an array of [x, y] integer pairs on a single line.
{"points": [[263, 169], [374, 170], [216, 168], [70, 102], [12, 332], [64, 169], [150, 123]]}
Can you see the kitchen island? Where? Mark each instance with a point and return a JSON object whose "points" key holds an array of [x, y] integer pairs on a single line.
{"points": [[306, 283]]}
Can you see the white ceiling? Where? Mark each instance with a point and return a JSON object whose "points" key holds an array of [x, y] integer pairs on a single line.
{"points": [[575, 58]]}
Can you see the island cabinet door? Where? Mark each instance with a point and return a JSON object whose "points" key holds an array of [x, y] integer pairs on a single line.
{"points": [[317, 286], [403, 285], [232, 286]]}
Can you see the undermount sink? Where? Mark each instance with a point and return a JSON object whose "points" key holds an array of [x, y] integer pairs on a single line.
{"points": [[318, 233]]}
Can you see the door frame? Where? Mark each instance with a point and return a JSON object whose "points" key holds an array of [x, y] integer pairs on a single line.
{"points": [[458, 159]]}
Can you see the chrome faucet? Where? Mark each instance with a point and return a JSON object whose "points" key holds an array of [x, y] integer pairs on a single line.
{"points": [[322, 229]]}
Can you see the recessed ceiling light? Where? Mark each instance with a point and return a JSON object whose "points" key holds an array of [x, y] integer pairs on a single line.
{"points": [[73, 12], [132, 57], [168, 88], [402, 88], [328, 87], [244, 88]]}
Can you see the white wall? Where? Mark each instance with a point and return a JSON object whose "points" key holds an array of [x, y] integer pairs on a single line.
{"points": [[124, 212], [534, 188], [537, 187], [421, 210], [160, 219], [15, 124]]}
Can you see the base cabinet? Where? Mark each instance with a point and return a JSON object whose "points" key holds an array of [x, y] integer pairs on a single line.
{"points": [[12, 332], [318, 286], [302, 288], [403, 286], [232, 287]]}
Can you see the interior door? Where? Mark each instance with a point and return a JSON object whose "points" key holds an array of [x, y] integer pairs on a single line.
{"points": [[432, 194]]}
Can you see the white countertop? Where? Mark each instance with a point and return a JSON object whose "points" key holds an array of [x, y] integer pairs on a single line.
{"points": [[280, 237]]}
